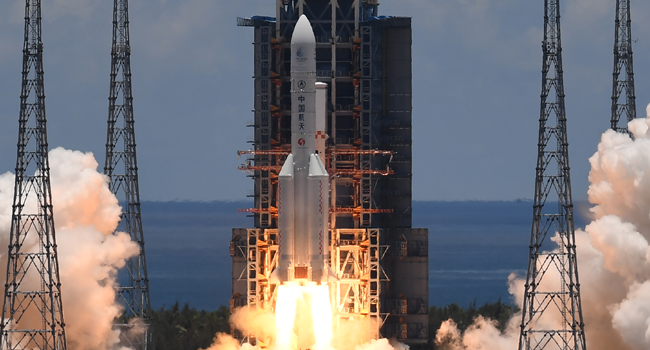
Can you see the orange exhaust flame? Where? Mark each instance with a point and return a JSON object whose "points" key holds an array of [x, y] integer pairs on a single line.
{"points": [[303, 317]]}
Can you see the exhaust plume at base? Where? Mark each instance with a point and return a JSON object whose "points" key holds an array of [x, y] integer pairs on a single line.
{"points": [[347, 334]]}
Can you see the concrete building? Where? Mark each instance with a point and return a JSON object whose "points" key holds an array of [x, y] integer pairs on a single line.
{"points": [[381, 261]]}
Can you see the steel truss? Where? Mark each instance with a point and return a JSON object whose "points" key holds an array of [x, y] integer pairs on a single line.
{"points": [[264, 178], [121, 167], [623, 65], [552, 312], [32, 307], [356, 256]]}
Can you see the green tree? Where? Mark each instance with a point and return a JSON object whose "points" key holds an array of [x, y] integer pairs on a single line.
{"points": [[186, 328], [463, 318]]}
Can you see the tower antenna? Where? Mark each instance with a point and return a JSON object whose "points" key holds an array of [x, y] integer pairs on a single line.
{"points": [[122, 169], [625, 110], [32, 309], [552, 311]]}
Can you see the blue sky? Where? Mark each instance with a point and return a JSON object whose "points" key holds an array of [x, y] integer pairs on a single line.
{"points": [[476, 86]]}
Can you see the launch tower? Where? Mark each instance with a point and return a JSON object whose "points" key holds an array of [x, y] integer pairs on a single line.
{"points": [[121, 167], [32, 309], [623, 65], [552, 311], [380, 262]]}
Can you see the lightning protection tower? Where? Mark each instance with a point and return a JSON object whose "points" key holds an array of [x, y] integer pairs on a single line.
{"points": [[623, 69], [122, 169], [552, 312], [32, 309]]}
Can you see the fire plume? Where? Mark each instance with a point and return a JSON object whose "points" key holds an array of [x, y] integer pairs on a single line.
{"points": [[303, 317]]}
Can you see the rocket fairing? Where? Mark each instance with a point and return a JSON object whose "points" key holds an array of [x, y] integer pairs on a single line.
{"points": [[303, 189]]}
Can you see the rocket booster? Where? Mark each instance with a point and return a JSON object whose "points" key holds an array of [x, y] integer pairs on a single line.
{"points": [[303, 189]]}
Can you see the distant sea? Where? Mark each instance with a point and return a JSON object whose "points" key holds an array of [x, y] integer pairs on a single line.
{"points": [[473, 247]]}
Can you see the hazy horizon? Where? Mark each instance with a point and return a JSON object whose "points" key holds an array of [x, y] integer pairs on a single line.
{"points": [[473, 247]]}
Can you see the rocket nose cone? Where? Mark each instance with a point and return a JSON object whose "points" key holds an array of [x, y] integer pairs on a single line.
{"points": [[303, 32]]}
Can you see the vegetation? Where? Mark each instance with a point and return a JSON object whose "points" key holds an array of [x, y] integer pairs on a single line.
{"points": [[187, 328], [463, 318]]}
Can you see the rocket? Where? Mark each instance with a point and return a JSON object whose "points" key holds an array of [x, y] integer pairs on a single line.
{"points": [[303, 189]]}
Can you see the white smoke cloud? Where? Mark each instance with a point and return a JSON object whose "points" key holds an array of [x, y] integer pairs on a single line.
{"points": [[631, 318], [613, 255], [85, 215], [483, 334], [224, 341]]}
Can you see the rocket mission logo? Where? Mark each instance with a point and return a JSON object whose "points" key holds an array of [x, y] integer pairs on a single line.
{"points": [[300, 55]]}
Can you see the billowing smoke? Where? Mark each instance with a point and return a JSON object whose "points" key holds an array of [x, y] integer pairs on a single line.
{"points": [[613, 255], [85, 215]]}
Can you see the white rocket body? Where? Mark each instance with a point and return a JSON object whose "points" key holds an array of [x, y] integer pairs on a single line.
{"points": [[303, 189]]}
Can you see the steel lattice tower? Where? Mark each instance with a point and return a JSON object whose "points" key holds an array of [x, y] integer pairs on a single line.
{"points": [[122, 169], [552, 312], [32, 308], [623, 64]]}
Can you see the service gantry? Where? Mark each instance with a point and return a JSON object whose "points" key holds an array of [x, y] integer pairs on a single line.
{"points": [[552, 311], [32, 309], [380, 261], [121, 167], [625, 110]]}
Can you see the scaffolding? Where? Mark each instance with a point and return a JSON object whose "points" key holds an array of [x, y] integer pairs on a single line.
{"points": [[357, 256], [356, 260], [263, 125]]}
